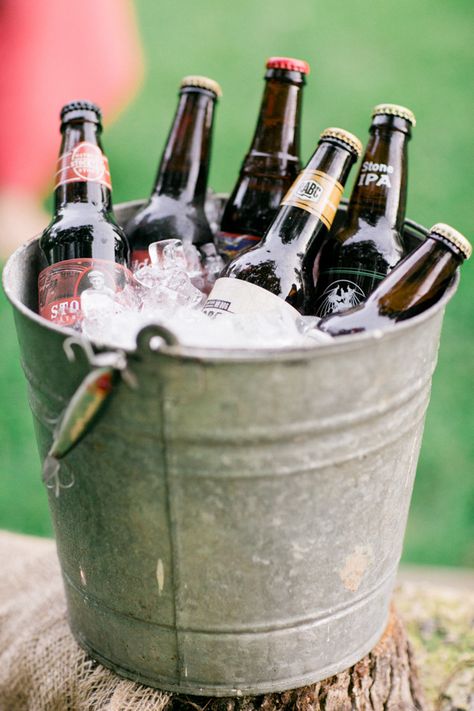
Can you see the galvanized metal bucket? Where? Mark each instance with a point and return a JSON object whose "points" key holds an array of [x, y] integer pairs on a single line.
{"points": [[235, 524]]}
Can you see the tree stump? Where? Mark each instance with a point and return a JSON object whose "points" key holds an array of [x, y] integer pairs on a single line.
{"points": [[384, 680]]}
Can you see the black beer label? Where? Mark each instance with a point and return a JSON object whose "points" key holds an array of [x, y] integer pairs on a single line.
{"points": [[74, 288], [345, 288]]}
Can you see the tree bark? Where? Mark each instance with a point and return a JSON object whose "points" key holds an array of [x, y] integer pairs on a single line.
{"points": [[384, 680]]}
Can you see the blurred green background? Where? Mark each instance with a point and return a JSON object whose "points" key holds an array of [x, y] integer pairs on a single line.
{"points": [[361, 53]]}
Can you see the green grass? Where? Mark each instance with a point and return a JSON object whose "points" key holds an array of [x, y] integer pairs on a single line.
{"points": [[23, 505], [361, 53]]}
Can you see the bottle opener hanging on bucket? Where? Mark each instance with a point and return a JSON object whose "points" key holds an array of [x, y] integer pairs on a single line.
{"points": [[84, 406]]}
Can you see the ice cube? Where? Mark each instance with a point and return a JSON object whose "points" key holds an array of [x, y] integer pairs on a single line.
{"points": [[213, 264], [194, 266], [168, 254], [148, 276], [120, 330], [99, 302]]}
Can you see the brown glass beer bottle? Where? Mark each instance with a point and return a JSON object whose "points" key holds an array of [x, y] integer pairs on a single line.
{"points": [[175, 209], [272, 162], [277, 273], [416, 283], [369, 244], [83, 248]]}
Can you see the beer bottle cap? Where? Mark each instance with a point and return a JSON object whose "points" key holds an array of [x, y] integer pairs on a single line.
{"points": [[202, 83], [395, 110], [80, 106], [453, 236], [293, 65], [342, 135]]}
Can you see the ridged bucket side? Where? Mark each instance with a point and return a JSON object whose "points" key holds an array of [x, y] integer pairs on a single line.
{"points": [[235, 523]]}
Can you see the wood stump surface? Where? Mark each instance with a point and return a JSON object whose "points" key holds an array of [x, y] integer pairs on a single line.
{"points": [[384, 679]]}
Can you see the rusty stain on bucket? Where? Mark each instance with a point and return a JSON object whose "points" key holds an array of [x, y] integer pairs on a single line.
{"points": [[355, 566]]}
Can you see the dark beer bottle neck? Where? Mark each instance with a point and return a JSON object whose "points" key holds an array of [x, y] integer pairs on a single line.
{"points": [[381, 185], [80, 185], [418, 280], [184, 165], [277, 134]]}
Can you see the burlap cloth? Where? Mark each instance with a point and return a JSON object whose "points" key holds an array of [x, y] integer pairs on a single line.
{"points": [[43, 669], [41, 666]]}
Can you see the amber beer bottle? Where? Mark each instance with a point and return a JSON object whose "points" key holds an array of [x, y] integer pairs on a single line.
{"points": [[175, 209], [369, 244], [272, 162], [83, 248], [277, 273], [416, 283]]}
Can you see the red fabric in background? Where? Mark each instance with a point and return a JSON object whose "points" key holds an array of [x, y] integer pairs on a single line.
{"points": [[52, 52]]}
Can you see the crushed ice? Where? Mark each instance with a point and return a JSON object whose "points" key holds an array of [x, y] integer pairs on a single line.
{"points": [[171, 290]]}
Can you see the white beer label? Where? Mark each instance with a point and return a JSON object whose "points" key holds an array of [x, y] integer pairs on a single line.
{"points": [[234, 296]]}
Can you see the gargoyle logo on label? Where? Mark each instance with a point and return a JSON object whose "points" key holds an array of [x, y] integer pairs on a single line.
{"points": [[340, 296]]}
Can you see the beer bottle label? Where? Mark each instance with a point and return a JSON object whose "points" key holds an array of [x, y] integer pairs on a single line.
{"points": [[317, 193], [84, 163], [345, 288], [235, 296], [76, 288], [139, 258], [230, 244]]}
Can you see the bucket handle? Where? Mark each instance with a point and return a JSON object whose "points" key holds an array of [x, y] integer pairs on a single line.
{"points": [[84, 406], [154, 336]]}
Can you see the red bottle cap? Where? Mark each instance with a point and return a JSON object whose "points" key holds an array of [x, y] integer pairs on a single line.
{"points": [[294, 65]]}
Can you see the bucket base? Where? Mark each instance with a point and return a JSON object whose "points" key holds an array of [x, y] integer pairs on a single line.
{"points": [[165, 684]]}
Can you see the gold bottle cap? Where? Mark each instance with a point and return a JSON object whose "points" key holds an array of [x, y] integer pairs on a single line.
{"points": [[202, 83], [395, 110], [344, 136], [453, 236]]}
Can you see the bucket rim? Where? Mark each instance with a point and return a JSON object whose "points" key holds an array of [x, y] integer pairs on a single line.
{"points": [[352, 342]]}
